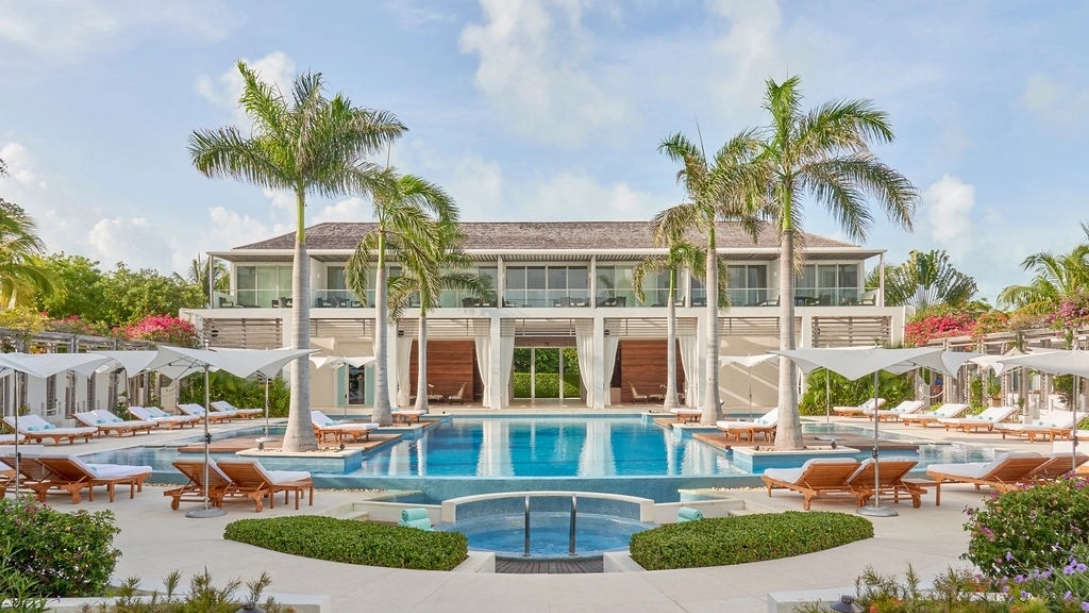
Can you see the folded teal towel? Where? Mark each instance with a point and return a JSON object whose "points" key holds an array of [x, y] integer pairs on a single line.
{"points": [[688, 514], [420, 524], [411, 514]]}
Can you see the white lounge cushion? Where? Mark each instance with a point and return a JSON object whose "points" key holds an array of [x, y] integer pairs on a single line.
{"points": [[975, 470], [791, 475]]}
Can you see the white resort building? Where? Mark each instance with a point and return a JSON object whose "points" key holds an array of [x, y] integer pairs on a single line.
{"points": [[562, 288]]}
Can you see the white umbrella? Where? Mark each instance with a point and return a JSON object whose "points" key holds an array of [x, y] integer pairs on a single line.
{"points": [[748, 361], [1072, 362], [178, 362], [854, 363], [43, 366]]}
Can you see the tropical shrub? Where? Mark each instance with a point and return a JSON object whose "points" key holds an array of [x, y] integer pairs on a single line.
{"points": [[203, 596], [242, 393], [353, 542], [893, 388], [921, 331], [1035, 528], [747, 538], [60, 554]]}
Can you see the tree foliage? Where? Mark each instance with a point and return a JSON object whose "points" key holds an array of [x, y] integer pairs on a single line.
{"points": [[924, 281]]}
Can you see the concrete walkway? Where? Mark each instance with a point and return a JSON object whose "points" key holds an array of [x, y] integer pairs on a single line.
{"points": [[155, 541]]}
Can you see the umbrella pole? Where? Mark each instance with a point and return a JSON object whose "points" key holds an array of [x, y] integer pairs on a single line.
{"points": [[207, 510], [266, 405], [827, 396], [876, 510], [1074, 427], [15, 404]]}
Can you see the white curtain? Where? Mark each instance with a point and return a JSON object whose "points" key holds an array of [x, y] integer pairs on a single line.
{"points": [[506, 349], [404, 355], [612, 343], [690, 364], [584, 343], [483, 361]]}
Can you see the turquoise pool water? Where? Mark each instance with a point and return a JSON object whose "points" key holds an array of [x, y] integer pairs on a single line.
{"points": [[464, 456]]}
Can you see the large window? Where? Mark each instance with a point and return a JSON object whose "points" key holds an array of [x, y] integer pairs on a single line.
{"points": [[462, 298], [260, 286], [547, 286], [748, 284], [615, 287], [828, 284]]}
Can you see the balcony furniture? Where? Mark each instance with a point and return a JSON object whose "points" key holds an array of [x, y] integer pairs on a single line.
{"points": [[769, 302], [616, 301], [324, 303], [806, 301]]}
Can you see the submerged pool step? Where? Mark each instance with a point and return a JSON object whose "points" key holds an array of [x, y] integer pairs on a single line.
{"points": [[349, 511]]}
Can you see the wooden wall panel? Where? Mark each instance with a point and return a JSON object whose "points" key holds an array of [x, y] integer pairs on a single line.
{"points": [[643, 364], [449, 364]]}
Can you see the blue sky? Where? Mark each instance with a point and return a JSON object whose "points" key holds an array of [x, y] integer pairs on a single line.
{"points": [[543, 110]]}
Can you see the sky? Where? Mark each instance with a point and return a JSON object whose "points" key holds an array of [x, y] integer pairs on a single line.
{"points": [[544, 110]]}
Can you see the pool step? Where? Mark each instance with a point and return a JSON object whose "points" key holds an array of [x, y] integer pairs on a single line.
{"points": [[349, 511]]}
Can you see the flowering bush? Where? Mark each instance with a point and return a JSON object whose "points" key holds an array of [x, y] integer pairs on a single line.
{"points": [[1031, 529], [165, 329], [73, 324], [57, 553], [921, 331], [991, 321], [1072, 312]]}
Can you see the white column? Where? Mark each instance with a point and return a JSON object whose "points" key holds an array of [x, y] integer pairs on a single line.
{"points": [[497, 389], [600, 387]]}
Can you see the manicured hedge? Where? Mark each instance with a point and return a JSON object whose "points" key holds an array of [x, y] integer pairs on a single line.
{"points": [[352, 542], [746, 538]]}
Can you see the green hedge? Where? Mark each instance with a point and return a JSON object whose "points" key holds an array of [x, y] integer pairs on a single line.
{"points": [[746, 538], [353, 542], [548, 385]]}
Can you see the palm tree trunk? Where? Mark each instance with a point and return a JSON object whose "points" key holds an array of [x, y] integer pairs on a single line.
{"points": [[421, 363], [789, 432], [383, 413], [671, 348], [299, 435], [711, 410]]}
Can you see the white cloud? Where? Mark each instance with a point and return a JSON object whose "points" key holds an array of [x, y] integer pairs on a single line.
{"points": [[133, 240], [349, 209], [751, 51], [947, 206], [414, 14], [534, 68], [1054, 102], [73, 29], [225, 89], [21, 166]]}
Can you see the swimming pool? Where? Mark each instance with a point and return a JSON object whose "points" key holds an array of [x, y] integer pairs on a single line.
{"points": [[616, 454]]}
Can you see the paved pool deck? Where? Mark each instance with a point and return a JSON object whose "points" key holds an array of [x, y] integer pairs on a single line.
{"points": [[155, 541]]}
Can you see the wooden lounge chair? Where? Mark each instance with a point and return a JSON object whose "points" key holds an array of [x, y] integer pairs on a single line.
{"points": [[36, 429], [984, 421], [636, 397], [889, 480], [1002, 474], [31, 472], [108, 423], [407, 416], [766, 425], [861, 409], [818, 477], [222, 406], [193, 491], [324, 426], [198, 411], [906, 407], [949, 409], [1058, 465], [458, 398], [687, 414], [250, 479], [163, 418], [69, 473], [1049, 426]]}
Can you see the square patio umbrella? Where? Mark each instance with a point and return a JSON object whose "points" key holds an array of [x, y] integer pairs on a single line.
{"points": [[179, 362], [1062, 362], [854, 363], [43, 366]]}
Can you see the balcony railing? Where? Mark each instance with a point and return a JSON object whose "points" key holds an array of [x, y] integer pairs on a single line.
{"points": [[540, 299]]}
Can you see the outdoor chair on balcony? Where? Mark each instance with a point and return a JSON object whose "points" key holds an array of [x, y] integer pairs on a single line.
{"points": [[636, 396]]}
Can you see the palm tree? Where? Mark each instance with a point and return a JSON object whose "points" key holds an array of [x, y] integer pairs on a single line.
{"points": [[718, 190], [925, 280], [681, 255], [425, 273], [1058, 278], [197, 275], [22, 272], [823, 155], [310, 145], [404, 227]]}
